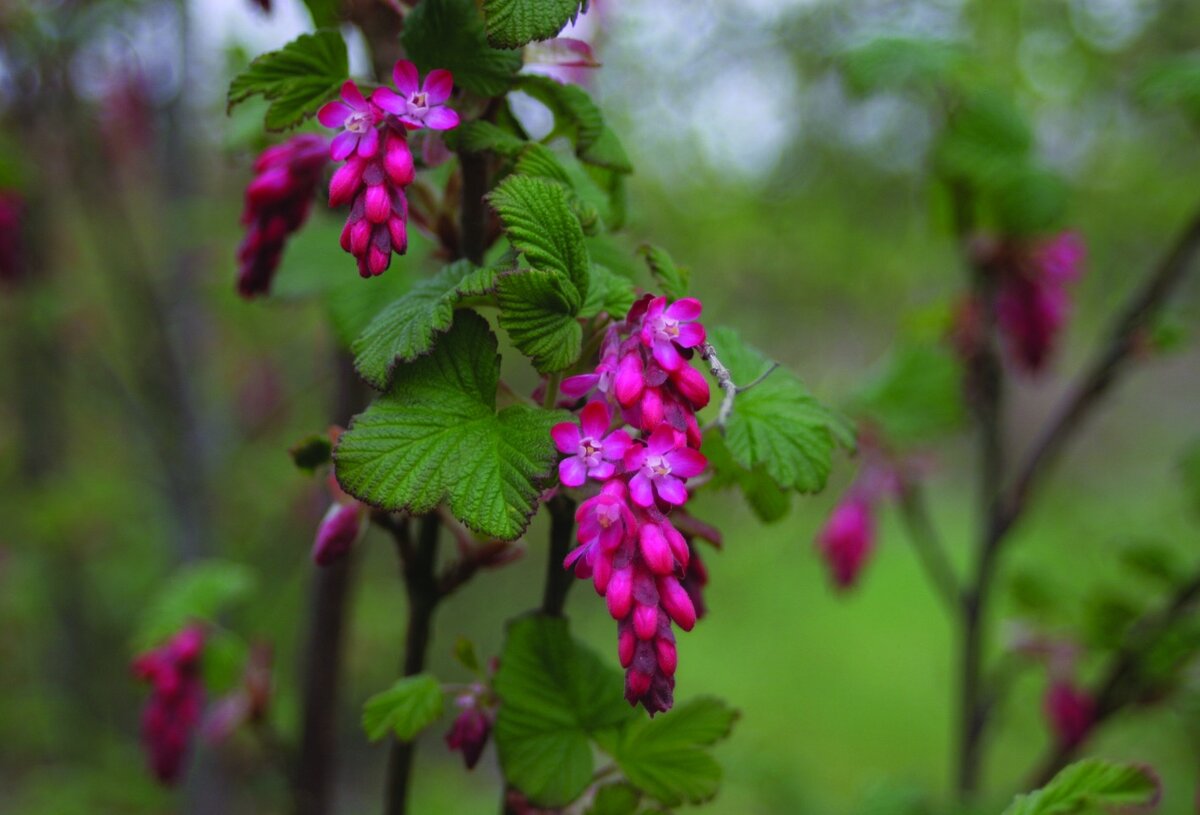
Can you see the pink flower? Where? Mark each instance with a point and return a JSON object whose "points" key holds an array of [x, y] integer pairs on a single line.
{"points": [[662, 463], [419, 105], [172, 713], [591, 452], [471, 728], [1070, 712], [356, 118], [338, 532], [847, 539], [665, 329], [604, 520]]}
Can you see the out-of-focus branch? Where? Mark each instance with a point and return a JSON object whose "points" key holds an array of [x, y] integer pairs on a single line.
{"points": [[914, 512]]}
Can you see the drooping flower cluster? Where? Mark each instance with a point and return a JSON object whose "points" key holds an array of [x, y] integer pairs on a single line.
{"points": [[12, 249], [473, 725], [373, 143], [847, 539], [172, 713], [340, 528], [278, 201], [1069, 708], [637, 559], [1032, 299]]}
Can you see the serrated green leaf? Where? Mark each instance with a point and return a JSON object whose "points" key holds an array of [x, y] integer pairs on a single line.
{"points": [[409, 326], [539, 222], [513, 23], [324, 13], [196, 592], [607, 151], [1090, 787], [664, 756], [297, 79], [538, 310], [449, 34], [404, 709], [777, 424], [673, 280], [310, 453], [435, 436], [609, 293], [554, 694], [916, 394], [769, 502], [480, 136], [615, 799], [539, 161], [575, 114], [890, 63]]}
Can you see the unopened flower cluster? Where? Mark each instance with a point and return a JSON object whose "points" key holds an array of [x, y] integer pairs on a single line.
{"points": [[172, 714], [378, 164], [636, 558], [848, 538]]}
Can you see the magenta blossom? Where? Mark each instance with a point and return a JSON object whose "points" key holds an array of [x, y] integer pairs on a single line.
{"points": [[357, 119], [591, 452], [471, 728], [337, 533], [604, 521], [666, 327], [1070, 712], [847, 539], [419, 105], [662, 463], [172, 713]]}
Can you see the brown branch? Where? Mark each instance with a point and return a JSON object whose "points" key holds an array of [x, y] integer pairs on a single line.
{"points": [[558, 579]]}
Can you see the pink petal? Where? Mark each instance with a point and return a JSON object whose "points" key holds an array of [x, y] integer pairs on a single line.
{"points": [[671, 490], [595, 419], [566, 437], [676, 602], [343, 145], [640, 491], [655, 550], [353, 95], [645, 622], [684, 310], [678, 544], [405, 75], [615, 445], [578, 386], [635, 456], [333, 114], [574, 554], [620, 593], [661, 441], [690, 335], [441, 118], [438, 86], [389, 100], [572, 472], [629, 382], [602, 471], [368, 144], [601, 572], [667, 355], [686, 462]]}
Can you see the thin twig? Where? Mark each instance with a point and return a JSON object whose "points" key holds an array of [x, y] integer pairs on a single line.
{"points": [[726, 384]]}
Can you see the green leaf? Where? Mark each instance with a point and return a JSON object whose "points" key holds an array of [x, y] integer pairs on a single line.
{"points": [[1174, 83], [1189, 469], [324, 13], [673, 280], [609, 293], [480, 136], [464, 652], [539, 161], [352, 302], [538, 220], [409, 326], [615, 799], [513, 23], [607, 151], [916, 395], [405, 709], [575, 114], [538, 310], [311, 453], [1108, 617], [555, 694], [224, 660], [889, 63], [1029, 200], [986, 142], [1153, 560], [1091, 787], [777, 424], [449, 34], [769, 502], [297, 79], [435, 436], [665, 757], [196, 592]]}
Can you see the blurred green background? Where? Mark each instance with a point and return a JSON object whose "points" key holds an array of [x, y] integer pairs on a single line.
{"points": [[146, 411]]}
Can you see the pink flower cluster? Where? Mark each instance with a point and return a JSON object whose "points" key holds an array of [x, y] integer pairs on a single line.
{"points": [[473, 725], [373, 143], [628, 546], [1032, 299], [12, 252], [341, 527], [278, 201], [172, 714], [847, 539]]}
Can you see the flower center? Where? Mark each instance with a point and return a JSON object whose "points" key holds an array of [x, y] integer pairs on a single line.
{"points": [[667, 328], [418, 100], [658, 465], [607, 516], [589, 448], [358, 122]]}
